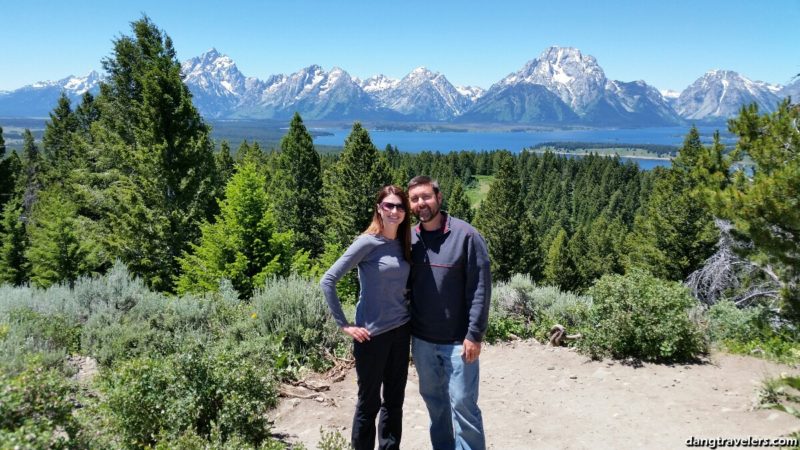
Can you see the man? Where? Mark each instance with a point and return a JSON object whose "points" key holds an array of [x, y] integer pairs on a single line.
{"points": [[450, 292]]}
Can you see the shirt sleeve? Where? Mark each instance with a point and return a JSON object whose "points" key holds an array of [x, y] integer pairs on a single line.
{"points": [[354, 254], [478, 287]]}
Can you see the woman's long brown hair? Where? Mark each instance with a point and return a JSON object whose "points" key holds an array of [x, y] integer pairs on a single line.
{"points": [[404, 230]]}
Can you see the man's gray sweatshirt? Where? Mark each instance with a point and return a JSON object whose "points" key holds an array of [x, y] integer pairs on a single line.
{"points": [[383, 276], [450, 283]]}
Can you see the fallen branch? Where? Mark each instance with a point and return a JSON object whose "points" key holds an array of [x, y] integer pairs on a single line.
{"points": [[311, 387], [283, 392]]}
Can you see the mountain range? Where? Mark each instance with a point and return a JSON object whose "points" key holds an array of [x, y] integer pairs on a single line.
{"points": [[561, 87]]}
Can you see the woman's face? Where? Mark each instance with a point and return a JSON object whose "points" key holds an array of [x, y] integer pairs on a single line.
{"points": [[392, 210]]}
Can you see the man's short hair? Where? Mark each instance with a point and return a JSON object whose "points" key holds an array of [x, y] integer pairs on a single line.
{"points": [[423, 180]]}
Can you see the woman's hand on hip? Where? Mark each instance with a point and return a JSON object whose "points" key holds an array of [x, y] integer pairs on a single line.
{"points": [[358, 333]]}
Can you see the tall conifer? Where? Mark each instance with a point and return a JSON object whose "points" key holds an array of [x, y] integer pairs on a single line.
{"points": [[31, 179], [350, 187], [13, 244], [57, 251], [458, 203], [762, 203], [296, 187], [243, 244], [7, 173], [157, 147], [57, 144], [499, 218]]}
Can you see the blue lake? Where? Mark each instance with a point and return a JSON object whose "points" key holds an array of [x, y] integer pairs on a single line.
{"points": [[446, 141]]}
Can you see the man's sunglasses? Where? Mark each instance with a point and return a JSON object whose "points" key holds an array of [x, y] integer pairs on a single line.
{"points": [[388, 206]]}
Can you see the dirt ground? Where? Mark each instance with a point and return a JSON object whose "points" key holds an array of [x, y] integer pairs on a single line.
{"points": [[539, 397]]}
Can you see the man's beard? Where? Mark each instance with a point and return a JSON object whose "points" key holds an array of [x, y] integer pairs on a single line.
{"points": [[432, 211]]}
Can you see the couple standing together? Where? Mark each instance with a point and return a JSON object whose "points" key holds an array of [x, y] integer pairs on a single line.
{"points": [[445, 264]]}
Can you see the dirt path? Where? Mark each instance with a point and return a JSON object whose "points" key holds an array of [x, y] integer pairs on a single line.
{"points": [[538, 397]]}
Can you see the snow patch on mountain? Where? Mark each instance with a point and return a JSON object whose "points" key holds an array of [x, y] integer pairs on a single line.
{"points": [[576, 78], [720, 94]]}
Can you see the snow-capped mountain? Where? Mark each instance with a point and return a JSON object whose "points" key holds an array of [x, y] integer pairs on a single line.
{"points": [[471, 92], [220, 90], [720, 94], [631, 104], [520, 103], [216, 83], [421, 95], [561, 86], [670, 96], [580, 83], [791, 90], [378, 84], [38, 99], [316, 94], [577, 79]]}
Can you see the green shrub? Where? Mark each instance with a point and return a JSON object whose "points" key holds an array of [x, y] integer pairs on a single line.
{"points": [[31, 334], [36, 410], [332, 440], [521, 308], [781, 393], [727, 322], [640, 316], [775, 347], [115, 293], [503, 327], [51, 322], [147, 397], [294, 309], [158, 326], [199, 390], [754, 330]]}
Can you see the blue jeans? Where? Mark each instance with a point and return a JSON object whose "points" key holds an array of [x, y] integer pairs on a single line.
{"points": [[449, 387]]}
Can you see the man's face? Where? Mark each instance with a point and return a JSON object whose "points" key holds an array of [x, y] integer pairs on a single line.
{"points": [[425, 203]]}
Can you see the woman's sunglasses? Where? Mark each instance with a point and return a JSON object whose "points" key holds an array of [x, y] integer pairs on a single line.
{"points": [[388, 206]]}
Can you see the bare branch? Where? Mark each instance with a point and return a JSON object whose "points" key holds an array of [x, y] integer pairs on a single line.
{"points": [[725, 272]]}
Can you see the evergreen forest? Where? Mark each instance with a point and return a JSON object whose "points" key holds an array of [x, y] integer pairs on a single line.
{"points": [[187, 270]]}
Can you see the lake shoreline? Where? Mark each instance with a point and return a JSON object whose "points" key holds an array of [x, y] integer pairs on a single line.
{"points": [[653, 158]]}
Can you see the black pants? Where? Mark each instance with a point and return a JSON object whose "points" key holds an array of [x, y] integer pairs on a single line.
{"points": [[381, 361]]}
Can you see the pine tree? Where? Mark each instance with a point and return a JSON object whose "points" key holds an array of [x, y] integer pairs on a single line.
{"points": [[247, 153], [532, 256], [243, 245], [690, 152], [350, 187], [763, 204], [673, 234], [58, 144], [14, 242], [458, 204], [58, 250], [558, 267], [11, 169], [596, 250], [296, 188], [154, 158], [87, 113], [226, 166], [31, 179], [499, 218], [8, 173]]}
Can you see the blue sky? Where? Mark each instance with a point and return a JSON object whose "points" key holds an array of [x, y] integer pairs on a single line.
{"points": [[668, 44]]}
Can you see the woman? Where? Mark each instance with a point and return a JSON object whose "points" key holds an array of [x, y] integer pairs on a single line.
{"points": [[381, 334]]}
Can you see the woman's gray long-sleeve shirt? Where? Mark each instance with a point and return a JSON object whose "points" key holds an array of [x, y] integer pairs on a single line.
{"points": [[382, 274]]}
